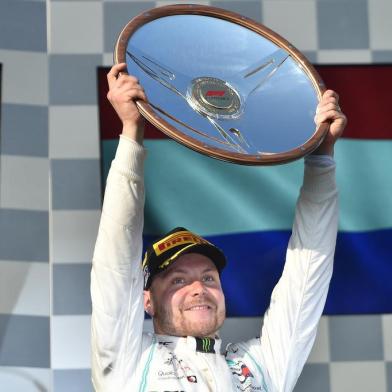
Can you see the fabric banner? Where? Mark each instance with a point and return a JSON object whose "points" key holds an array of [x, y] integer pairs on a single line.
{"points": [[248, 211]]}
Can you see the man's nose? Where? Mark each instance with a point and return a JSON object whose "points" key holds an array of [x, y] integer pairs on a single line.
{"points": [[197, 287]]}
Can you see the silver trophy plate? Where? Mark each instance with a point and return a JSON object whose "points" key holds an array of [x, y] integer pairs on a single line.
{"points": [[222, 84]]}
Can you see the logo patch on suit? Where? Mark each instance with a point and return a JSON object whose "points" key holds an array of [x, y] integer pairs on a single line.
{"points": [[243, 374], [178, 370]]}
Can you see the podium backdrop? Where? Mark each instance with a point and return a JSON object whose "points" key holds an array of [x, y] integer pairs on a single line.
{"points": [[50, 190], [248, 211]]}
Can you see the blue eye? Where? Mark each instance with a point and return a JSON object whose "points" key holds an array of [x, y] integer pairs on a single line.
{"points": [[178, 281]]}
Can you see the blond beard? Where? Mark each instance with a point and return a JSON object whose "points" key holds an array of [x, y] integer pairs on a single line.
{"points": [[167, 324]]}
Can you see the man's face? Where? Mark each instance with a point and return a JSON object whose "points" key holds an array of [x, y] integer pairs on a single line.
{"points": [[187, 298]]}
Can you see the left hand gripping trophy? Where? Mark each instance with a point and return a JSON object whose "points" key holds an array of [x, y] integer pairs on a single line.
{"points": [[222, 84]]}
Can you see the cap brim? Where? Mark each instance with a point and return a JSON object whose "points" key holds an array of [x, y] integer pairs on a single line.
{"points": [[205, 249], [210, 251]]}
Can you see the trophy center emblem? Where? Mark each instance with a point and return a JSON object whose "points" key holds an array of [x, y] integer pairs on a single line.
{"points": [[214, 97]]}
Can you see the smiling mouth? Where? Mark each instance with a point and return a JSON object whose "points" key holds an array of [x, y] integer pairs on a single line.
{"points": [[199, 307]]}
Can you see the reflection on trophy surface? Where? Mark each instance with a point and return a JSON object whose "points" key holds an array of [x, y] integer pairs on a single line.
{"points": [[223, 85]]}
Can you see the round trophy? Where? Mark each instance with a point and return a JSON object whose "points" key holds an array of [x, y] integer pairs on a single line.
{"points": [[222, 84]]}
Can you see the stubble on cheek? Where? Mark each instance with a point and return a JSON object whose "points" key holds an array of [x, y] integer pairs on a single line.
{"points": [[180, 322], [164, 319]]}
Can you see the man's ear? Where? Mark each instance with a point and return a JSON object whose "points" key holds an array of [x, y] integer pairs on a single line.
{"points": [[148, 303]]}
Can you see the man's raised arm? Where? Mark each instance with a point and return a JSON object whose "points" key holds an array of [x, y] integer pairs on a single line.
{"points": [[116, 276], [297, 301]]}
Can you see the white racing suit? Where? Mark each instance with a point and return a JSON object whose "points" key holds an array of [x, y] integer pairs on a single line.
{"points": [[124, 359]]}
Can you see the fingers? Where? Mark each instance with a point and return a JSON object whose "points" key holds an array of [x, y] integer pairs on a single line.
{"points": [[329, 101], [114, 72], [329, 111], [328, 106], [127, 93], [125, 79], [123, 87], [331, 93], [330, 116], [118, 76]]}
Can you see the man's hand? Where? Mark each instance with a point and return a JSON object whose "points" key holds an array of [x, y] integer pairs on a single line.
{"points": [[123, 91], [328, 110]]}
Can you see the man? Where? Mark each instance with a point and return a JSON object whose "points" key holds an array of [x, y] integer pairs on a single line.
{"points": [[181, 282]]}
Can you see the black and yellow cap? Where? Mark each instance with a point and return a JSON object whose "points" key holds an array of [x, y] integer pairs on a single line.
{"points": [[172, 245]]}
